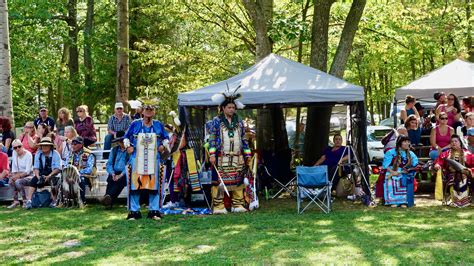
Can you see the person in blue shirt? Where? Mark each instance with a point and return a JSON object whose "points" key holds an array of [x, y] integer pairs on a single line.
{"points": [[83, 159], [46, 169], [116, 163], [138, 182]]}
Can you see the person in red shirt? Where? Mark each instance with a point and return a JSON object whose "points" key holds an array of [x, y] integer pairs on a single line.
{"points": [[4, 169]]}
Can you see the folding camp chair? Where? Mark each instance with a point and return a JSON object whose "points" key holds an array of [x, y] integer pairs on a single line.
{"points": [[313, 183]]}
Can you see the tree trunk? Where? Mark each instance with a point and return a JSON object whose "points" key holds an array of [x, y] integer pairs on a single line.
{"points": [[73, 52], [88, 31], [469, 45], [6, 104], [271, 136], [122, 83], [347, 38], [64, 60], [317, 122]]}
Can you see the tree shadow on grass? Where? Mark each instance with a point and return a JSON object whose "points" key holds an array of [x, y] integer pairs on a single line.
{"points": [[273, 234]]}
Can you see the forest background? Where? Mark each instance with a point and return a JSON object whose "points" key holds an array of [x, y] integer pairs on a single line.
{"points": [[184, 45]]}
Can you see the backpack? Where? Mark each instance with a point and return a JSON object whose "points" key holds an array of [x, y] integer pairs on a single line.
{"points": [[41, 199]]}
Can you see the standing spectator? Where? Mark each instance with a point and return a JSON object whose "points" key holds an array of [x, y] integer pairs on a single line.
{"points": [[116, 169], [66, 146], [440, 137], [4, 169], [7, 135], [64, 120], [21, 173], [468, 123], [44, 118], [409, 109], [28, 138], [117, 122], [453, 109], [85, 126]]}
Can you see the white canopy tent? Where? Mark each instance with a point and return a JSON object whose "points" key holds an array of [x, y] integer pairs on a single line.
{"points": [[277, 80], [456, 77]]}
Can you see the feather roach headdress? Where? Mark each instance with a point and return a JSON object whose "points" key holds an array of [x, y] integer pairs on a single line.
{"points": [[224, 98]]}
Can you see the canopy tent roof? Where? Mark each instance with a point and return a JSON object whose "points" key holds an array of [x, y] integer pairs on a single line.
{"points": [[456, 77], [277, 80]]}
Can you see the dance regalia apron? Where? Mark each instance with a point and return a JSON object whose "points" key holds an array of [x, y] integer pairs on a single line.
{"points": [[400, 189], [144, 164], [457, 182]]}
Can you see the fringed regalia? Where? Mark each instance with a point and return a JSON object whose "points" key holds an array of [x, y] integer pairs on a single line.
{"points": [[144, 167], [459, 183], [399, 189], [230, 148]]}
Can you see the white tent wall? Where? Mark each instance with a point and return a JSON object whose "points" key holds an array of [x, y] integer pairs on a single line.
{"points": [[456, 77]]}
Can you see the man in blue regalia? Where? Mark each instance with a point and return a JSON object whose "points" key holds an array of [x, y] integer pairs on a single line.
{"points": [[144, 141]]}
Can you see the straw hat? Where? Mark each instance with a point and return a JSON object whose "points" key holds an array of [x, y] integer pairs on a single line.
{"points": [[46, 141]]}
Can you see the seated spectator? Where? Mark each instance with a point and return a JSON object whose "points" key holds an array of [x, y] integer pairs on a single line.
{"points": [[116, 169], [119, 121], [333, 157], [4, 169], [64, 120], [42, 130], [459, 182], [83, 159], [7, 135], [21, 172], [440, 98], [424, 122], [43, 118], [470, 140], [468, 123], [440, 136], [46, 169], [390, 139], [29, 139], [409, 109], [453, 110], [65, 149], [138, 113], [468, 104], [85, 126], [414, 131]]}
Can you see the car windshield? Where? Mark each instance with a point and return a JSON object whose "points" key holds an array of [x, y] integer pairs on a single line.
{"points": [[377, 135]]}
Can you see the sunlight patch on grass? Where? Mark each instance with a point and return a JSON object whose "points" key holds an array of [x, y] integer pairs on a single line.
{"points": [[323, 222]]}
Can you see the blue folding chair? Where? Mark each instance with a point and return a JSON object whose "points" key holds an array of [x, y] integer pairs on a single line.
{"points": [[313, 183]]}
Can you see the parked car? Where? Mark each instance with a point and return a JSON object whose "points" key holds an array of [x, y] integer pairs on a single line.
{"points": [[374, 146]]}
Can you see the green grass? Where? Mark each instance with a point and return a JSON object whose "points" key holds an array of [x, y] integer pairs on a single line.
{"points": [[351, 234]]}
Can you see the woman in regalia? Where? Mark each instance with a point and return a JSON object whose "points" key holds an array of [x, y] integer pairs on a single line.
{"points": [[399, 164], [458, 167]]}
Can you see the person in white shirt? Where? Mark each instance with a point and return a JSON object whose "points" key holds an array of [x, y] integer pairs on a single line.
{"points": [[21, 172]]}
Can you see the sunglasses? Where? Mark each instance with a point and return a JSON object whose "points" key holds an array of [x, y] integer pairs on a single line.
{"points": [[42, 111], [119, 108], [79, 111], [17, 147], [443, 118]]}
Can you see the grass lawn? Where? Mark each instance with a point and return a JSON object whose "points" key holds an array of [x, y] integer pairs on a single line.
{"points": [[351, 234]]}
